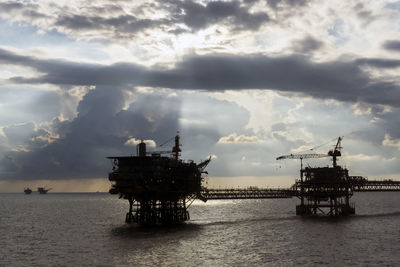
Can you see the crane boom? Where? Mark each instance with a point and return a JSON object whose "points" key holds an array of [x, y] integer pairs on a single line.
{"points": [[302, 156], [334, 153]]}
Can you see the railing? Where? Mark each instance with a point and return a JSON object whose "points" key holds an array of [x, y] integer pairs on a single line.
{"points": [[356, 185], [375, 185], [249, 193]]}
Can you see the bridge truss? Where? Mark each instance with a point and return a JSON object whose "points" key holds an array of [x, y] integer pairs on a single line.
{"points": [[330, 198]]}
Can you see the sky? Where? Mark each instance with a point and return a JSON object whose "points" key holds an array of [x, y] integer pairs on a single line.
{"points": [[243, 81]]}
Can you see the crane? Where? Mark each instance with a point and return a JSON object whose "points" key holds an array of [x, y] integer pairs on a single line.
{"points": [[302, 156], [175, 150], [334, 153]]}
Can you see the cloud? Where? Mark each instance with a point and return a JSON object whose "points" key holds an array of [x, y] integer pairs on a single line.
{"points": [[280, 4], [390, 142], [392, 45], [239, 139], [387, 124], [62, 117], [10, 6], [339, 79], [18, 134], [197, 16], [134, 142], [107, 20], [364, 14], [122, 24], [62, 72], [21, 104], [382, 63], [21, 10], [77, 148], [307, 45], [126, 20]]}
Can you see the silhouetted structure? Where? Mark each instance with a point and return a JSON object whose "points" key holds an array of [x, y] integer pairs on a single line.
{"points": [[42, 190], [27, 191], [325, 188], [321, 190], [159, 189]]}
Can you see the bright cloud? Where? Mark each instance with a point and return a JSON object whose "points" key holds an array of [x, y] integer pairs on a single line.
{"points": [[239, 139], [391, 142], [133, 142]]}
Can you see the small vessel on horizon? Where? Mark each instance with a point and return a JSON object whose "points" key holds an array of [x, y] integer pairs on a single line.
{"points": [[27, 191], [42, 190]]}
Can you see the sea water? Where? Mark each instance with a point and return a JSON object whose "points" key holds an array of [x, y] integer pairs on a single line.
{"points": [[89, 230]]}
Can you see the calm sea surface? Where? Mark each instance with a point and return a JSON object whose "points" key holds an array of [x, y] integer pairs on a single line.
{"points": [[89, 230]]}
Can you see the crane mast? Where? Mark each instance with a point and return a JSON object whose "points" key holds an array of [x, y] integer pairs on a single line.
{"points": [[336, 151]]}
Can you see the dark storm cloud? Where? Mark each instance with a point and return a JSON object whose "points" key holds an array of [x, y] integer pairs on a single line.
{"points": [[193, 15], [77, 22], [392, 45], [10, 6], [275, 4], [9, 57], [364, 13], [379, 62], [71, 73], [390, 122], [340, 80], [100, 129], [116, 22], [197, 16], [46, 103], [28, 10], [307, 45], [123, 23]]}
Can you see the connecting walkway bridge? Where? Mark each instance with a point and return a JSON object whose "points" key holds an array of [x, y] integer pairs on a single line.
{"points": [[377, 186], [249, 193], [359, 184]]}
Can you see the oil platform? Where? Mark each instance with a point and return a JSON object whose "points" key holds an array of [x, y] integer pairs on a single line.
{"points": [[325, 190], [160, 189]]}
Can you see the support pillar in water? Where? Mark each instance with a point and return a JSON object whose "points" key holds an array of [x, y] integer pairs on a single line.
{"points": [[152, 211]]}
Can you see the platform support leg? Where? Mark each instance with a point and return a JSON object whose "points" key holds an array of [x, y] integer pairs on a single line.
{"points": [[129, 215]]}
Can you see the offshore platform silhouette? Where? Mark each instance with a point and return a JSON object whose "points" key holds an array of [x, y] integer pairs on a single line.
{"points": [[161, 188]]}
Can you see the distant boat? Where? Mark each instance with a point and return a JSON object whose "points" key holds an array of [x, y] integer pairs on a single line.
{"points": [[42, 190], [28, 191]]}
